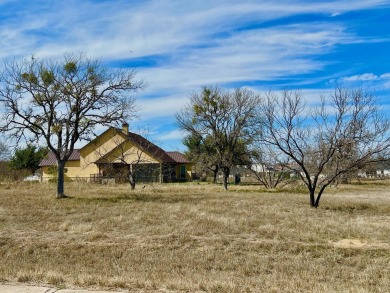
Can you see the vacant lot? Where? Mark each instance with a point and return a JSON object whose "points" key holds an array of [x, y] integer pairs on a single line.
{"points": [[196, 238]]}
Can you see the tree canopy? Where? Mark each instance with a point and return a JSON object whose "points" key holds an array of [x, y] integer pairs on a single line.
{"points": [[28, 158], [224, 122]]}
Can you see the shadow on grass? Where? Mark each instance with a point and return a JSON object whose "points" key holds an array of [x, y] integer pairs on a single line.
{"points": [[151, 198], [352, 208]]}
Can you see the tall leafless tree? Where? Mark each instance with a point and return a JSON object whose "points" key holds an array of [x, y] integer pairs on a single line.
{"points": [[228, 117], [347, 131], [63, 101]]}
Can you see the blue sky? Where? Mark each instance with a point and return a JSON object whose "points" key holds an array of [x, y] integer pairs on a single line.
{"points": [[178, 46]]}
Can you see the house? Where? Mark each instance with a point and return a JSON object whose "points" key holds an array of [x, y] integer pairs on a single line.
{"points": [[383, 169], [117, 152]]}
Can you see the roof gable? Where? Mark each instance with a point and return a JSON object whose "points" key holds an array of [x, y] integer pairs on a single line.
{"points": [[101, 139]]}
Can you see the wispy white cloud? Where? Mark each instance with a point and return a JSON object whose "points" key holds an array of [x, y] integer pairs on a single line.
{"points": [[196, 43], [156, 108], [385, 76], [366, 77], [361, 77], [111, 29], [261, 54], [171, 135]]}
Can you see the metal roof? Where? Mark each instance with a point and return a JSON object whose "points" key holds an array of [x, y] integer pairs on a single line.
{"points": [[150, 148], [51, 160], [178, 157]]}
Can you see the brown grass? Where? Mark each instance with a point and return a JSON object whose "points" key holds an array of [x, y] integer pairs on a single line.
{"points": [[196, 238]]}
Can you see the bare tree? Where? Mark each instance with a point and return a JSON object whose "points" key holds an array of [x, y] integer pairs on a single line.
{"points": [[228, 117], [269, 165], [347, 131], [63, 101]]}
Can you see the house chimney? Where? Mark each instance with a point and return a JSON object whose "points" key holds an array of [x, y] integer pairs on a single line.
{"points": [[125, 128]]}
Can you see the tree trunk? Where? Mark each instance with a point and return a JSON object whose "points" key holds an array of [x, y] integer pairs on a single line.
{"points": [[317, 203], [60, 179], [132, 180], [226, 172], [215, 173], [312, 198]]}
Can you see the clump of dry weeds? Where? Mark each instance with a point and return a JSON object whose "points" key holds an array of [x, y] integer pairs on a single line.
{"points": [[196, 238]]}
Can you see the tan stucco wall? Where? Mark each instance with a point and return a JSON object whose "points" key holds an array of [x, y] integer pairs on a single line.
{"points": [[188, 171], [130, 154], [96, 149], [72, 167], [45, 174]]}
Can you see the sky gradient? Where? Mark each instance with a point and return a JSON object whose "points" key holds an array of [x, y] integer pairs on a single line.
{"points": [[179, 46]]}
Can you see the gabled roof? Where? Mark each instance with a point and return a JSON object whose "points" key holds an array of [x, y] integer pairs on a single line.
{"points": [[51, 160], [150, 148]]}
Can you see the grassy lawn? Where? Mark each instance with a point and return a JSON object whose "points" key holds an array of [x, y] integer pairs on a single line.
{"points": [[196, 238]]}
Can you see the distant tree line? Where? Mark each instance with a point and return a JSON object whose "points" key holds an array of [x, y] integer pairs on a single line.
{"points": [[21, 162]]}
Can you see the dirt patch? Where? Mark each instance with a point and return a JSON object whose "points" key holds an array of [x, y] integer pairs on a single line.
{"points": [[358, 244]]}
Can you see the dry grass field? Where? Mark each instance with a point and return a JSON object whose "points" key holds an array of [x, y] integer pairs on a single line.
{"points": [[196, 238]]}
